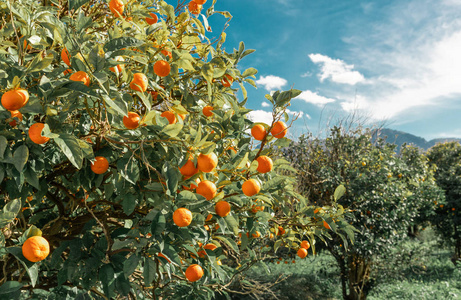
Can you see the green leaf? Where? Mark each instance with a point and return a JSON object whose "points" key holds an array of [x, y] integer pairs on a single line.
{"points": [[129, 169], [158, 224], [2, 242], [207, 72], [31, 177], [116, 104], [32, 231], [75, 4], [39, 63], [249, 72], [71, 148], [20, 157], [129, 203], [107, 277], [122, 42], [130, 265], [232, 223], [13, 207], [83, 22], [31, 268], [185, 64], [339, 192], [3, 145], [149, 271], [231, 243], [172, 129], [10, 287]]}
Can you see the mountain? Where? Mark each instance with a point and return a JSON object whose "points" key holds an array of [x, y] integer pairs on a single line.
{"points": [[399, 137]]}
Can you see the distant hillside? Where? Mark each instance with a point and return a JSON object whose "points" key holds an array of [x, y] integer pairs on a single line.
{"points": [[400, 137]]}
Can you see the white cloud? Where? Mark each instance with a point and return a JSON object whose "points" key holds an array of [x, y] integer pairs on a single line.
{"points": [[260, 116], [336, 70], [271, 82], [298, 114], [314, 98], [411, 56], [265, 104]]}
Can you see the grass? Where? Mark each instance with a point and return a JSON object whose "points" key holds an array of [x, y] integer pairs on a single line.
{"points": [[418, 269]]}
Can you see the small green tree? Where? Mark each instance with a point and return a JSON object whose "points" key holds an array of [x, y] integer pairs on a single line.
{"points": [[382, 198], [447, 158]]}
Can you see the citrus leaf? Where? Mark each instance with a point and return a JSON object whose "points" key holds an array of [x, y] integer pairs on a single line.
{"points": [[20, 157], [3, 145], [339, 192], [172, 129], [10, 287], [122, 42], [71, 148]]}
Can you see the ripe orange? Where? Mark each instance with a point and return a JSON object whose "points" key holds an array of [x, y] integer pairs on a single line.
{"points": [[170, 116], [251, 187], [152, 20], [35, 133], [256, 234], [188, 169], [207, 189], [139, 82], [100, 165], [208, 246], [209, 217], [15, 99], [194, 272], [116, 7], [65, 56], [131, 121], [227, 80], [302, 252], [325, 224], [119, 68], [264, 164], [279, 130], [281, 230], [182, 217], [207, 111], [258, 132], [207, 162], [201, 2], [162, 68], [167, 53], [194, 7], [80, 76], [305, 244], [35, 248], [222, 208], [15, 114]]}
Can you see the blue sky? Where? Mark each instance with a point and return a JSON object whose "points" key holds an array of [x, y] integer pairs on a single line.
{"points": [[396, 62]]}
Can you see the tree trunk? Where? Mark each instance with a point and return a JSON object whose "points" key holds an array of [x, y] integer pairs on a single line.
{"points": [[359, 272]]}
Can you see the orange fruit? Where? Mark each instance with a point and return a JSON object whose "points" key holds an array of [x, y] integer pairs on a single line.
{"points": [[264, 164], [15, 99], [222, 208], [182, 116], [251, 187], [207, 189], [325, 224], [170, 116], [100, 165], [209, 217], [152, 20], [154, 94], [207, 111], [131, 121], [256, 234], [68, 71], [15, 114], [80, 76], [279, 130], [194, 272], [65, 56], [227, 80], [207, 162], [305, 244], [281, 230], [167, 54], [35, 133], [182, 217], [201, 2], [302, 253], [256, 208], [119, 68], [162, 68], [258, 132], [208, 246], [188, 169], [194, 7], [139, 82], [35, 248], [116, 7]]}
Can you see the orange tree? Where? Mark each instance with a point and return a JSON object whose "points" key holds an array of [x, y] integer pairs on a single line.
{"points": [[446, 157], [124, 145], [383, 196]]}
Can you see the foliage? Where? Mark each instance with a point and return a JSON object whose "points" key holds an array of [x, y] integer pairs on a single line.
{"points": [[107, 231], [447, 158], [384, 195]]}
